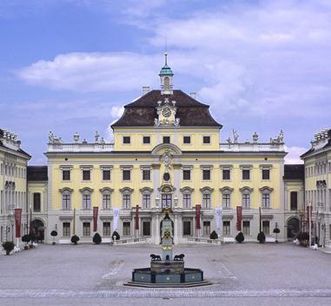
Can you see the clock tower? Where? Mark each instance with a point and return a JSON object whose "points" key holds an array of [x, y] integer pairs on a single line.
{"points": [[166, 75]]}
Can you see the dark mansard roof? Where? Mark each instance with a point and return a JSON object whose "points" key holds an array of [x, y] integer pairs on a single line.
{"points": [[142, 112], [37, 173], [294, 172]]}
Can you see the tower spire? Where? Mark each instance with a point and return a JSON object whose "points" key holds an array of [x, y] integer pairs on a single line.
{"points": [[166, 58]]}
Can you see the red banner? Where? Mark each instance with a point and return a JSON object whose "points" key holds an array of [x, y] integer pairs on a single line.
{"points": [[197, 216], [95, 218], [136, 225], [18, 217], [239, 217]]}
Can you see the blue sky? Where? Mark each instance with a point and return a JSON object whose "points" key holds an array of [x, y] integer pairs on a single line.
{"points": [[70, 65]]}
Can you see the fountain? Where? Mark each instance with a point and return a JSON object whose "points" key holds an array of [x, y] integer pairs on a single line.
{"points": [[167, 270]]}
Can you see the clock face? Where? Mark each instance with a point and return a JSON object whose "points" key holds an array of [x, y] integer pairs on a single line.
{"points": [[166, 112]]}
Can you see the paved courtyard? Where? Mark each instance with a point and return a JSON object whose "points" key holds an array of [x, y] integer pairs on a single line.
{"points": [[94, 275]]}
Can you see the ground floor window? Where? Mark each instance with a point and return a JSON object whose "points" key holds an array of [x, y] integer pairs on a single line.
{"points": [[106, 229], [187, 228], [226, 228], [246, 228], [206, 228], [66, 229], [126, 228], [266, 227], [146, 228], [86, 229]]}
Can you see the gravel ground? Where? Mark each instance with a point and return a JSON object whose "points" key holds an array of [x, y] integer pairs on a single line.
{"points": [[94, 275]]}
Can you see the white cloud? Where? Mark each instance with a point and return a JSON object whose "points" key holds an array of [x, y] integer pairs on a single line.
{"points": [[294, 153]]}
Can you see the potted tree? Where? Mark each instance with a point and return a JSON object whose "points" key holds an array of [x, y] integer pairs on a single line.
{"points": [[261, 237], [8, 246], [53, 234], [97, 238], [213, 235], [26, 238], [240, 237], [276, 231], [74, 239], [115, 236]]}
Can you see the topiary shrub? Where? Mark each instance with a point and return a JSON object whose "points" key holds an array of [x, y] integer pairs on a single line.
{"points": [[303, 238], [116, 235], [74, 239], [97, 238], [261, 237], [53, 234], [276, 231], [26, 238], [213, 235], [8, 246], [240, 237]]}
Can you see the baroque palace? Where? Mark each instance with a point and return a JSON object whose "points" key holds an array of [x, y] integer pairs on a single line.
{"points": [[166, 153]]}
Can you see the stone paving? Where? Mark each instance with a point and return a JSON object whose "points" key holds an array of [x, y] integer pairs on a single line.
{"points": [[96, 273]]}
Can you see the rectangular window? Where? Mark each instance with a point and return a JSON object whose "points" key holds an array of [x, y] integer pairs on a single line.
{"points": [[66, 175], [246, 228], [226, 200], [226, 174], [146, 175], [246, 200], [226, 228], [126, 201], [106, 175], [186, 200], [66, 229], [186, 174], [266, 227], [86, 201], [265, 200], [126, 139], [106, 201], [187, 228], [86, 175], [246, 174], [126, 175], [146, 139], [166, 139], [206, 174], [206, 200], [206, 228], [206, 139], [106, 229], [146, 200], [66, 205], [294, 200], [126, 228], [265, 174], [36, 202], [187, 139], [146, 228], [86, 229], [166, 200]]}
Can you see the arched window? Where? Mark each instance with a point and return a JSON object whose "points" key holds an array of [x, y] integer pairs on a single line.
{"points": [[206, 197], [106, 197], [146, 194], [66, 198], [266, 197], [187, 197], [86, 198], [126, 197], [226, 196], [246, 197]]}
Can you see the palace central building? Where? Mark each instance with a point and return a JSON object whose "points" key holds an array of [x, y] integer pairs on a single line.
{"points": [[166, 153]]}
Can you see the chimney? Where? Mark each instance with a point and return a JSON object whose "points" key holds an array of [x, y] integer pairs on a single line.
{"points": [[146, 89]]}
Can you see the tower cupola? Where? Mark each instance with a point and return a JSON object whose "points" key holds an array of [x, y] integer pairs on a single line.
{"points": [[166, 75]]}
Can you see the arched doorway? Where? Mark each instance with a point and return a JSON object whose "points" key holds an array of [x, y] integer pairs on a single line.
{"points": [[293, 227], [38, 230]]}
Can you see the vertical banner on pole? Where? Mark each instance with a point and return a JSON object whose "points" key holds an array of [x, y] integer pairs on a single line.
{"points": [[18, 217], [116, 214], [239, 218], [218, 219], [136, 226], [197, 216], [95, 218]]}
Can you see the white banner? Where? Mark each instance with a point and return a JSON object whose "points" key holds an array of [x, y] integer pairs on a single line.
{"points": [[218, 219], [116, 215]]}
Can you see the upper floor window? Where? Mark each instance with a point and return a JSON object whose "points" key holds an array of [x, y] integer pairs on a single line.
{"points": [[166, 139], [126, 139], [206, 139], [206, 174], [265, 174], [187, 200], [206, 199], [66, 199], [246, 199], [186, 174], [106, 174], [266, 191], [86, 175], [86, 198], [36, 202], [294, 200], [146, 200], [146, 174], [246, 174], [66, 175], [146, 139], [226, 174], [226, 196], [126, 174], [126, 197], [187, 139], [106, 199]]}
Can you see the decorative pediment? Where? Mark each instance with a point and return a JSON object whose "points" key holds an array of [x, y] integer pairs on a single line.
{"points": [[166, 188], [146, 189], [266, 188], [186, 189], [246, 188], [106, 189], [166, 147], [62, 190], [206, 189], [226, 189], [86, 189], [126, 190]]}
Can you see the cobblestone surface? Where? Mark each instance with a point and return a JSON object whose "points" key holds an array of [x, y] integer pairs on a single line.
{"points": [[67, 273]]}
